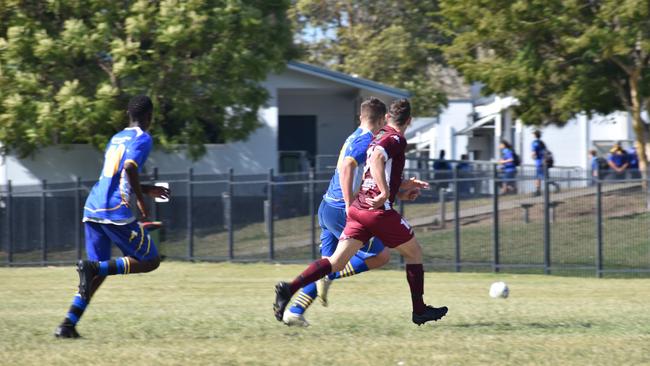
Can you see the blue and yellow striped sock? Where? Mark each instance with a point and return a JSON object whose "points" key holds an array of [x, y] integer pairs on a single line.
{"points": [[355, 266], [305, 297], [76, 310], [115, 266]]}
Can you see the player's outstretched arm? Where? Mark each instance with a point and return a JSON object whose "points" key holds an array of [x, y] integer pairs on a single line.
{"points": [[413, 183], [134, 180]]}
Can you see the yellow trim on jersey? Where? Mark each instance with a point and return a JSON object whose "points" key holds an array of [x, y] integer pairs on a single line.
{"points": [[352, 159], [148, 244], [131, 160], [141, 238], [127, 265], [105, 209]]}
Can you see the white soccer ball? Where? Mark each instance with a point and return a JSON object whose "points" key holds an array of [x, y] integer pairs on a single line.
{"points": [[499, 289]]}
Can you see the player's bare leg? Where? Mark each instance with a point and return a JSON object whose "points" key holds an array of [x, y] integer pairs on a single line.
{"points": [[316, 270], [376, 261], [412, 253]]}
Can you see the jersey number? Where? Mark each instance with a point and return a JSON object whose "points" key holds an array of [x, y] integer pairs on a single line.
{"points": [[112, 160]]}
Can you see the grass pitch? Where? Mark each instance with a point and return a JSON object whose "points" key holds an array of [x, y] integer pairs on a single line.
{"points": [[221, 314]]}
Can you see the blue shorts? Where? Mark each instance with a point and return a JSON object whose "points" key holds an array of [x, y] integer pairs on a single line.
{"points": [[539, 170], [332, 223], [132, 239]]}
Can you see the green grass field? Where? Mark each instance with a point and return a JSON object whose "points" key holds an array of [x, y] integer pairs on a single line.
{"points": [[220, 314]]}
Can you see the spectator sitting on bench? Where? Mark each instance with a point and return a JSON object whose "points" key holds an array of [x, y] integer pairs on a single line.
{"points": [[618, 161]]}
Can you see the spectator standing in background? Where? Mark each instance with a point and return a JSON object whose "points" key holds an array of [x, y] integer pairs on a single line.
{"points": [[464, 171], [618, 161], [508, 165], [442, 170], [633, 159], [599, 166], [543, 160]]}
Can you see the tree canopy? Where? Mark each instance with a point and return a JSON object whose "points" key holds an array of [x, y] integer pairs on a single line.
{"points": [[393, 42], [559, 58], [68, 68]]}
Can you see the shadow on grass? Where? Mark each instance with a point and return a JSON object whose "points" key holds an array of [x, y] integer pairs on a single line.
{"points": [[510, 326]]}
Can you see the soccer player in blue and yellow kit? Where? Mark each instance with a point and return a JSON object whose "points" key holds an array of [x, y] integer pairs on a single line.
{"points": [[332, 212], [108, 216]]}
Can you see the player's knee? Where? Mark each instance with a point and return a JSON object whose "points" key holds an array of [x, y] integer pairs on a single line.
{"points": [[384, 257], [153, 264]]}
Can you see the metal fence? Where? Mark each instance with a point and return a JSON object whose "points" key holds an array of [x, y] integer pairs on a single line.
{"points": [[577, 226]]}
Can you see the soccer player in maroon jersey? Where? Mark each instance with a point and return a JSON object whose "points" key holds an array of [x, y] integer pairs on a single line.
{"points": [[372, 214]]}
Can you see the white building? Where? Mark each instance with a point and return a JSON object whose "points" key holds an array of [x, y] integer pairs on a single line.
{"points": [[311, 110], [476, 126]]}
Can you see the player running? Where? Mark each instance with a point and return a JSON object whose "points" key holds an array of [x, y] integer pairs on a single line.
{"points": [[372, 214], [108, 217], [332, 211]]}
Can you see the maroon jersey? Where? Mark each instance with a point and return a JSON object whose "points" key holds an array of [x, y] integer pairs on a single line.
{"points": [[393, 145]]}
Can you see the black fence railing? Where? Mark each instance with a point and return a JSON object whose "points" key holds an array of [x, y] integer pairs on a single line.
{"points": [[467, 221]]}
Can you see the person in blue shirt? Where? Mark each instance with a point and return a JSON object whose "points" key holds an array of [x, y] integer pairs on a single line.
{"points": [[508, 167], [539, 154], [333, 208], [618, 161], [108, 217], [633, 159], [442, 170]]}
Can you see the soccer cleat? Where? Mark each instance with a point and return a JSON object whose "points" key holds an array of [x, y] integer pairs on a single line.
{"points": [[294, 320], [87, 271], [282, 298], [430, 313], [66, 331], [322, 287]]}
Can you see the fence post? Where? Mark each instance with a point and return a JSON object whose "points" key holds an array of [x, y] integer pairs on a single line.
{"points": [[190, 225], [154, 206], [547, 223], [10, 224], [269, 200], [443, 208], [231, 231], [43, 222], [312, 213], [495, 219], [599, 229], [77, 217], [401, 213], [456, 218]]}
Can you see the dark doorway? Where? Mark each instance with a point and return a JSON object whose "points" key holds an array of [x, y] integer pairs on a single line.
{"points": [[296, 142]]}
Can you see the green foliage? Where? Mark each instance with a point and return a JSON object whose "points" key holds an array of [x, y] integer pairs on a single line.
{"points": [[386, 41], [68, 68], [559, 58]]}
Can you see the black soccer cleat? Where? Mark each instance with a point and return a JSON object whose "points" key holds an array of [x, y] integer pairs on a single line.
{"points": [[66, 331], [87, 271], [430, 313], [282, 298]]}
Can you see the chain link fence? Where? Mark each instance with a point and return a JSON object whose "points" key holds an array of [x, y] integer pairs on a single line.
{"points": [[472, 219]]}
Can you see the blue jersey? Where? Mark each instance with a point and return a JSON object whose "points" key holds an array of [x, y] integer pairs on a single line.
{"points": [[109, 198], [507, 154], [354, 148], [539, 149]]}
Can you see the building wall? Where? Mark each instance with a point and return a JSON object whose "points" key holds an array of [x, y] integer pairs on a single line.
{"points": [[335, 115], [451, 120]]}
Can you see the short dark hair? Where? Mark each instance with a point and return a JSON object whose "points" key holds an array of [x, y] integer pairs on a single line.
{"points": [[374, 109], [537, 133], [506, 144], [139, 107], [400, 111]]}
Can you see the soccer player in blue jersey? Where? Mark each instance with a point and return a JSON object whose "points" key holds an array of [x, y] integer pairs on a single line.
{"points": [[108, 216], [332, 213]]}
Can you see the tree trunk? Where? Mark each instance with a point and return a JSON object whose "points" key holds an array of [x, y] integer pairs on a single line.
{"points": [[638, 125]]}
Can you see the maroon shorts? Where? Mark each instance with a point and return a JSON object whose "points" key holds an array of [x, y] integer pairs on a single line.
{"points": [[387, 225]]}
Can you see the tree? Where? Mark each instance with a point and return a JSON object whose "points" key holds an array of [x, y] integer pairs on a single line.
{"points": [[68, 68], [386, 41], [559, 58]]}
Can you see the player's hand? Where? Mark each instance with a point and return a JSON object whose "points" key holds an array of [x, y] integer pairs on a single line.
{"points": [[158, 192], [377, 202], [414, 183], [143, 209]]}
